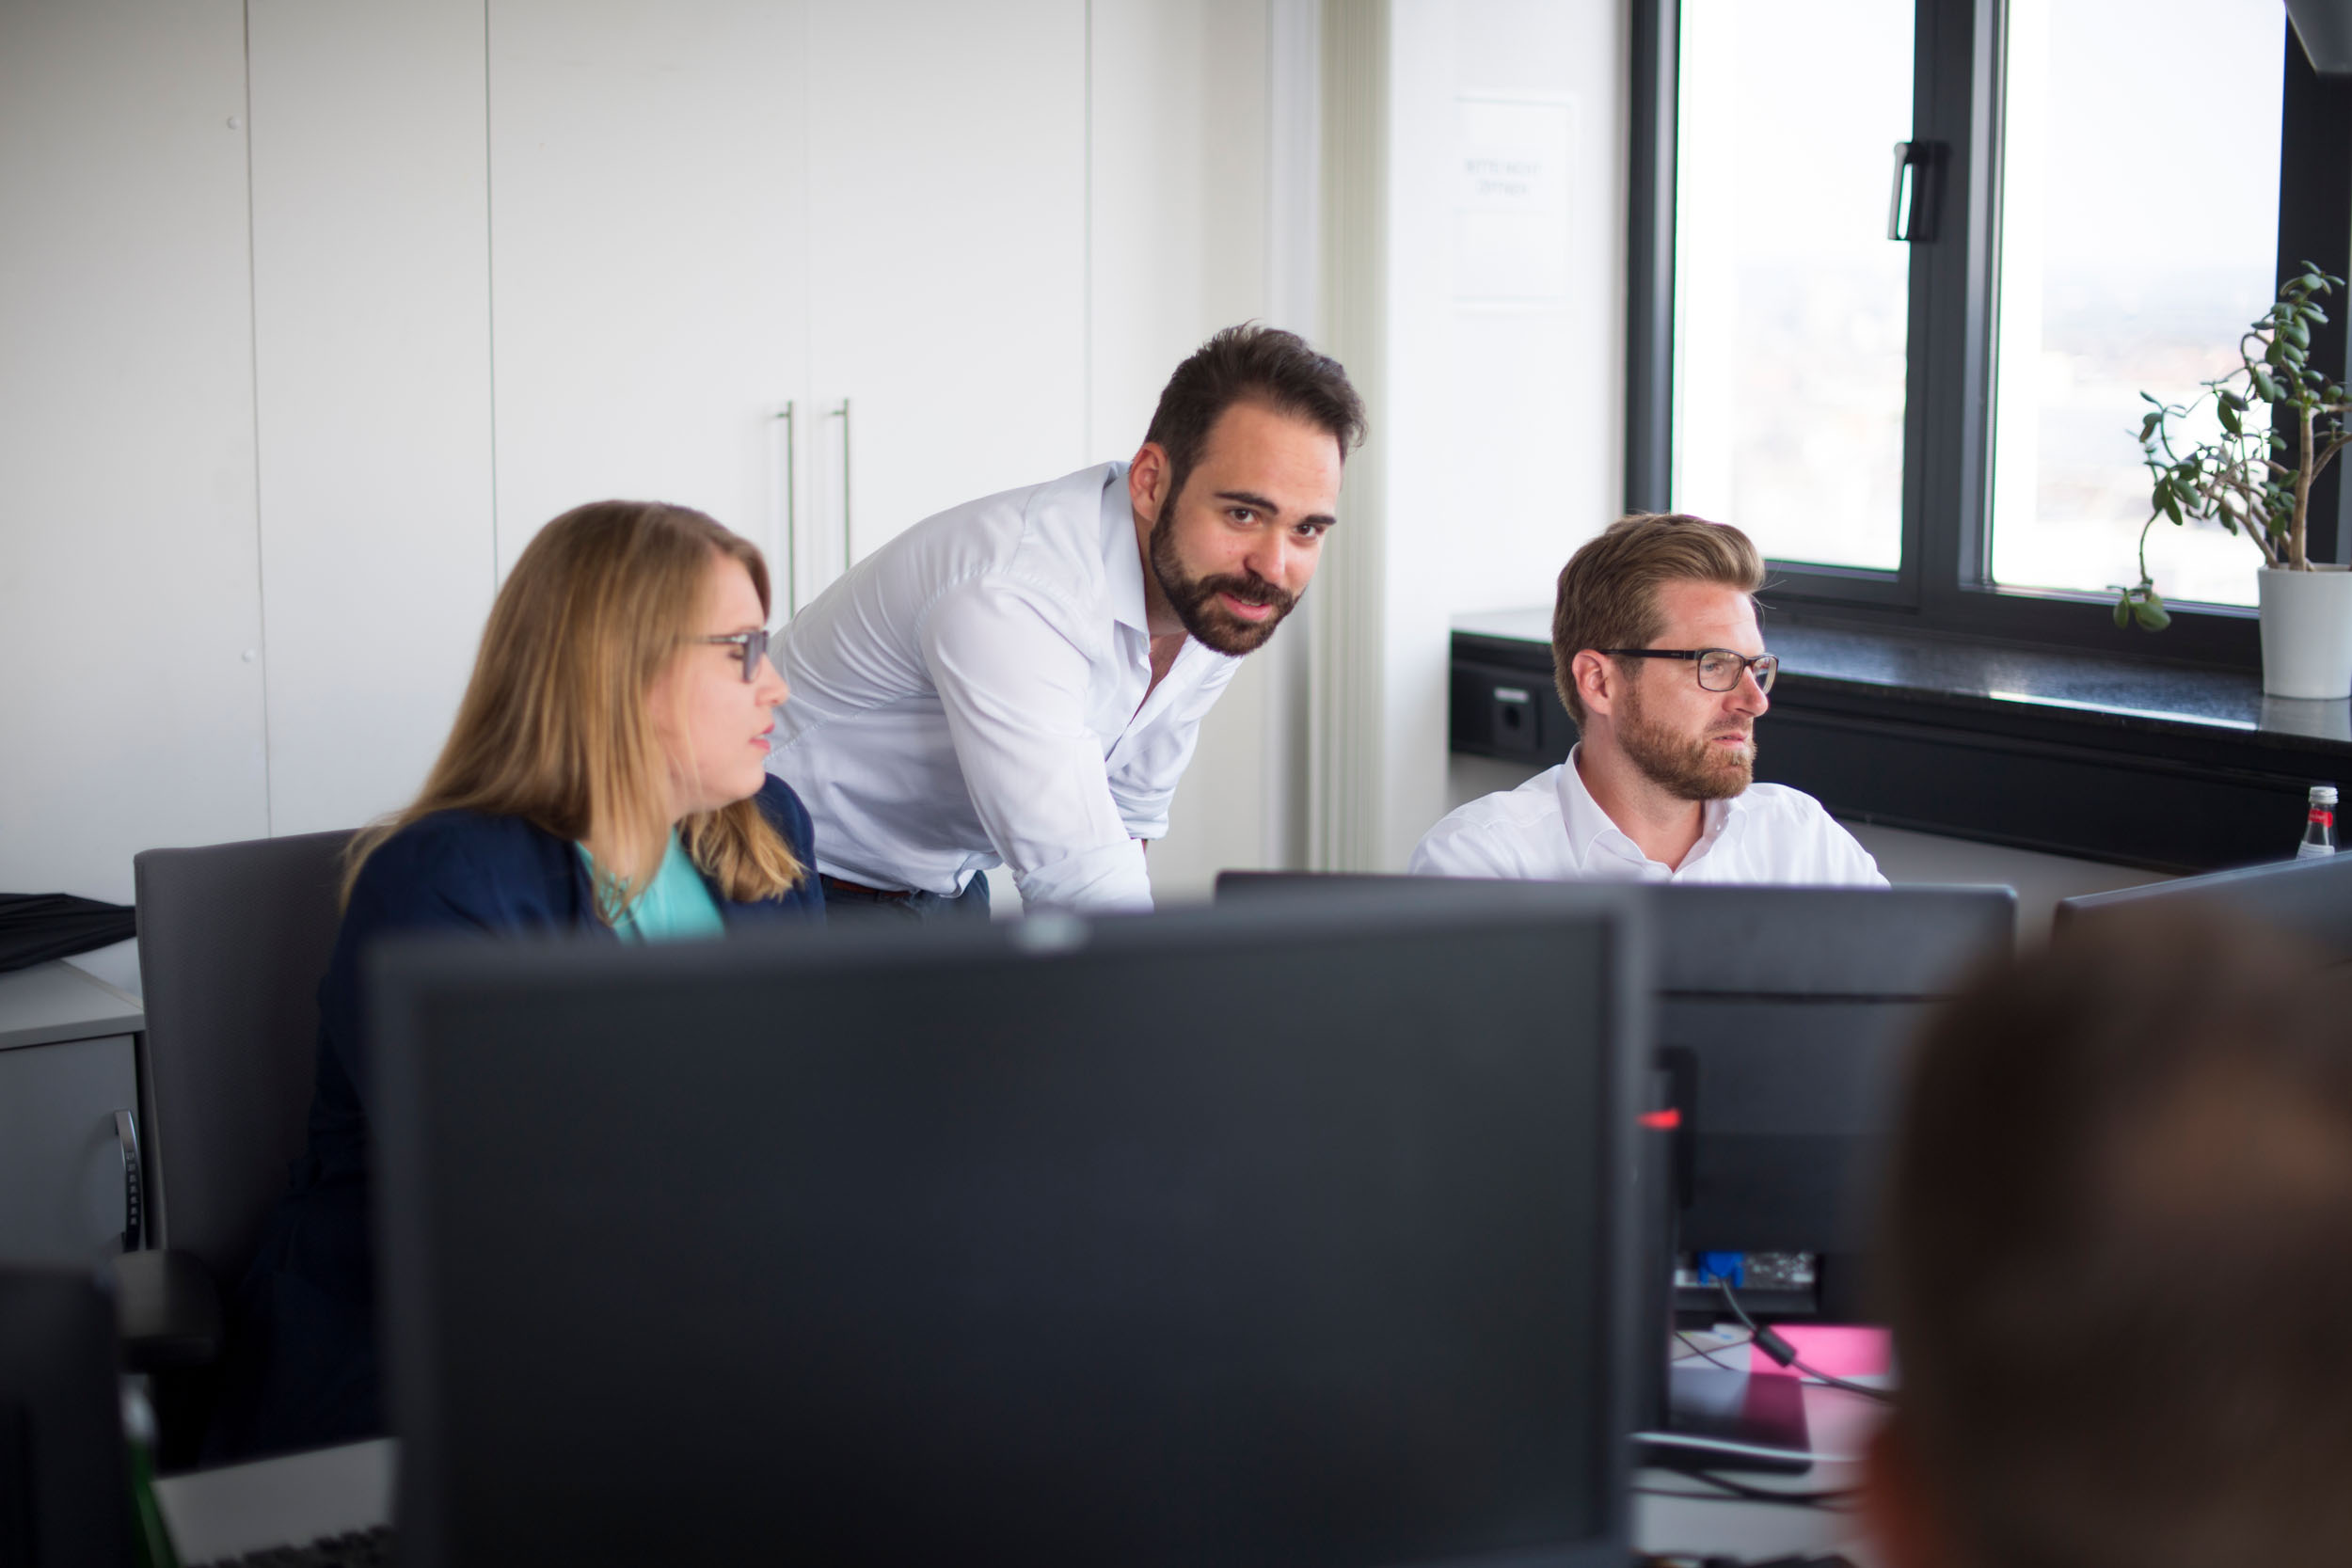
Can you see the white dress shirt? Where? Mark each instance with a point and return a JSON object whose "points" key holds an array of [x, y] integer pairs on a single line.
{"points": [[1551, 829], [972, 695]]}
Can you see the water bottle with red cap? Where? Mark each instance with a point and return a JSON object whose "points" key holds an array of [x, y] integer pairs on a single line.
{"points": [[2319, 829]]}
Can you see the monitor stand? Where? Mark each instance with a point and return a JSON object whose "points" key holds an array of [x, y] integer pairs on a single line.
{"points": [[1726, 1420]]}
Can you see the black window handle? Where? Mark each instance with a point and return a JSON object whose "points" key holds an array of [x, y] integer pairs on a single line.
{"points": [[1908, 213]]}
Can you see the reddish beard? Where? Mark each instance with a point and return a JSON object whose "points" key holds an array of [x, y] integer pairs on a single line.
{"points": [[1688, 769]]}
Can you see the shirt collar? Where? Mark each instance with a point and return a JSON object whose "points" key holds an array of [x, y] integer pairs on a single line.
{"points": [[1122, 564], [1588, 825]]}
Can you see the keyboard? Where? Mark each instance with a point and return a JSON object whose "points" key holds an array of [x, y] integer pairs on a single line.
{"points": [[371, 1548]]}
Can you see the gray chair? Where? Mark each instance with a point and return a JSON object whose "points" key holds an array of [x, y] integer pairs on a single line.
{"points": [[234, 941]]}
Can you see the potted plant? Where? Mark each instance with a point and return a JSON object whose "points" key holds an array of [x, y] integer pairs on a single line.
{"points": [[2255, 480]]}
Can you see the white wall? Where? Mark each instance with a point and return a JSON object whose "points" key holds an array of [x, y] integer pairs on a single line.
{"points": [[372, 368], [1501, 349], [133, 710]]}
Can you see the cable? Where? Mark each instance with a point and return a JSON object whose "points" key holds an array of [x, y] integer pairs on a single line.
{"points": [[1830, 1498], [1701, 1352], [1782, 1351], [1708, 1356]]}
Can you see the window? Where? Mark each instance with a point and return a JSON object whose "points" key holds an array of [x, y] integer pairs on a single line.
{"points": [[1791, 308], [1940, 431], [2108, 288]]}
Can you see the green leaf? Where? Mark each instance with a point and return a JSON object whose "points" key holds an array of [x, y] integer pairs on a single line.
{"points": [[2148, 427], [2124, 612], [2294, 331], [2264, 385], [2228, 421], [2151, 614], [2149, 397]]}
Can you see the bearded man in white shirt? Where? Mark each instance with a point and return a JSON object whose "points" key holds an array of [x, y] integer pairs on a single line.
{"points": [[1019, 681], [1659, 659]]}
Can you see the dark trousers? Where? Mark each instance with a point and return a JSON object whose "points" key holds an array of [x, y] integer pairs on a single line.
{"points": [[847, 905]]}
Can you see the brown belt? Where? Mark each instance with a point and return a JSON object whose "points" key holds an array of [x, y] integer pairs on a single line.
{"points": [[847, 886]]}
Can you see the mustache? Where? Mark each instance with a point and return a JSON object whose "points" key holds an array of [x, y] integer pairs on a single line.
{"points": [[1249, 590]]}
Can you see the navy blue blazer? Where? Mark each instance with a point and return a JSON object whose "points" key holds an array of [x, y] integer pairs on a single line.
{"points": [[302, 1359]]}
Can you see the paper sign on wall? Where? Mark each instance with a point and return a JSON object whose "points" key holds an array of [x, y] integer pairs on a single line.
{"points": [[1511, 204]]}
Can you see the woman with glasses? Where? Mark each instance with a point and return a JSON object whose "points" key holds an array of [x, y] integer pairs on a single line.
{"points": [[607, 774]]}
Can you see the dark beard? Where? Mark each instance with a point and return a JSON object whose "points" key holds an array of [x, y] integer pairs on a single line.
{"points": [[1687, 770], [1194, 599]]}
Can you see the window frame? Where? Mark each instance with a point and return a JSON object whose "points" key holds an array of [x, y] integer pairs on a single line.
{"points": [[1944, 585]]}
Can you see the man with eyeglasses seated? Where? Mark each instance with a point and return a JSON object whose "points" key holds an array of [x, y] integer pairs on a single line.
{"points": [[1659, 657]]}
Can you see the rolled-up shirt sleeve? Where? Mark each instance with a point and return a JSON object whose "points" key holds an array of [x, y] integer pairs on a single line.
{"points": [[1012, 684]]}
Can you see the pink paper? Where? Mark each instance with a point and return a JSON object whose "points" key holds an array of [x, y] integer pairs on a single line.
{"points": [[1834, 1349]]}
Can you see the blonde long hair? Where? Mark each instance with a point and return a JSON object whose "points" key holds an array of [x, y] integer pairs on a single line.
{"points": [[556, 727]]}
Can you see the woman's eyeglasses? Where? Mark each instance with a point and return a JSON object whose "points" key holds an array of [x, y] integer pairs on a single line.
{"points": [[1719, 668], [753, 645]]}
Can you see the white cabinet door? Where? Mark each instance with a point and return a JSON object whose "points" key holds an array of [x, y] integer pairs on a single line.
{"points": [[130, 592], [372, 348], [648, 289], [948, 253]]}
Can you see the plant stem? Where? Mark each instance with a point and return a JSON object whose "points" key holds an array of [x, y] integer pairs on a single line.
{"points": [[2302, 495]]}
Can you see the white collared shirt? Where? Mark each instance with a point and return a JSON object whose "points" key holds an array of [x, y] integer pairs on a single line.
{"points": [[972, 695], [1551, 829]]}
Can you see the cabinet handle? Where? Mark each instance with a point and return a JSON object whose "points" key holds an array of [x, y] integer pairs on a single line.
{"points": [[791, 510], [134, 1187], [847, 558]]}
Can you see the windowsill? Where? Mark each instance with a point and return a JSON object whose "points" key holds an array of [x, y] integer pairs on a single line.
{"points": [[2164, 766], [2092, 689]]}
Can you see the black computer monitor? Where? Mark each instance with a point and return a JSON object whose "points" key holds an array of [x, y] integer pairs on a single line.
{"points": [[1782, 1015], [2308, 898], [1219, 1236], [1781, 1019], [65, 1475]]}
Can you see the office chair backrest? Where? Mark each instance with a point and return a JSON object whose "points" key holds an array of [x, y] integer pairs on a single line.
{"points": [[233, 940]]}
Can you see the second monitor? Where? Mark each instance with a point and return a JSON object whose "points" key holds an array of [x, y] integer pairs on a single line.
{"points": [[1780, 1022]]}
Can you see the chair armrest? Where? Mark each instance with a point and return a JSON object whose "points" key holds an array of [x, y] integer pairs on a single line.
{"points": [[166, 1310]]}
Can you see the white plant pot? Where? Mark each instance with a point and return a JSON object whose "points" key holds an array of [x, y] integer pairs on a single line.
{"points": [[2307, 631]]}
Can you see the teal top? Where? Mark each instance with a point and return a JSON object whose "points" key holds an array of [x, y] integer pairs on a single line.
{"points": [[675, 906]]}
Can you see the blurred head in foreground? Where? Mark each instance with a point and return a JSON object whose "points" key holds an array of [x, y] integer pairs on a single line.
{"points": [[2118, 1260]]}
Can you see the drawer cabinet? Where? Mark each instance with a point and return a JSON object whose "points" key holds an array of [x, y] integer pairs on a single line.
{"points": [[70, 1181]]}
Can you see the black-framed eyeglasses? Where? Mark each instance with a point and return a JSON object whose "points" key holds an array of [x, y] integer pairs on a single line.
{"points": [[753, 645], [1719, 668]]}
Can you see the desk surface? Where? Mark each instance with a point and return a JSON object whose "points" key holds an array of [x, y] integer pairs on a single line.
{"points": [[1694, 1522], [245, 1508], [55, 1001]]}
